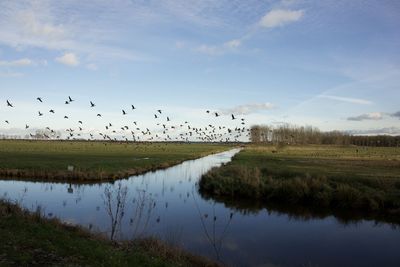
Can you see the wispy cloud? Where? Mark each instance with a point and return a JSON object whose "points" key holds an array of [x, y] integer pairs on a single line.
{"points": [[16, 63], [367, 116], [10, 74], [69, 59], [347, 99], [280, 17], [382, 131], [248, 108], [215, 50], [396, 114]]}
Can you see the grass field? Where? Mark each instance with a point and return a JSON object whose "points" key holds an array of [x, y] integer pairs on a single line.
{"points": [[355, 178], [93, 160], [30, 240]]}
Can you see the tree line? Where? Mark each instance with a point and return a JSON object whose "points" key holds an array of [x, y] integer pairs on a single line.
{"points": [[302, 135]]}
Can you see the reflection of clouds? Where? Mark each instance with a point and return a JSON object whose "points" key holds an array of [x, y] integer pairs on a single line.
{"points": [[231, 245]]}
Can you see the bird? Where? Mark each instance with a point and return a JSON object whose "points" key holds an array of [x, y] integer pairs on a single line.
{"points": [[159, 110], [70, 99], [39, 99], [216, 114], [99, 115], [66, 102], [123, 112], [26, 126], [233, 117], [133, 107], [40, 113], [9, 104], [65, 117], [92, 104], [155, 116], [167, 118], [7, 121], [80, 122], [208, 111], [52, 111]]}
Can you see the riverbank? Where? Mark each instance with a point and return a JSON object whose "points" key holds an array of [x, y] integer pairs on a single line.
{"points": [[93, 160], [29, 239], [347, 178]]}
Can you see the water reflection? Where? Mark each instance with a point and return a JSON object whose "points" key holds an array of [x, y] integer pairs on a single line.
{"points": [[166, 204]]}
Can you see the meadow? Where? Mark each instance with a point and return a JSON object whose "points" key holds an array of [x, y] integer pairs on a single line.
{"points": [[93, 161], [338, 177]]}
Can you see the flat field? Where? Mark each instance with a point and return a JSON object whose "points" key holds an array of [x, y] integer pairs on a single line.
{"points": [[93, 161], [359, 178]]}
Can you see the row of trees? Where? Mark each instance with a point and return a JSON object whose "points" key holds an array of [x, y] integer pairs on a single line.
{"points": [[290, 134]]}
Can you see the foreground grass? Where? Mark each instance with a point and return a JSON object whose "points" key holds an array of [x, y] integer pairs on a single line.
{"points": [[350, 178], [30, 240], [93, 160]]}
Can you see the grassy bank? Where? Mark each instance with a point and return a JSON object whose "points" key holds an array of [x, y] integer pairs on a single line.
{"points": [[92, 160], [348, 178], [30, 240]]}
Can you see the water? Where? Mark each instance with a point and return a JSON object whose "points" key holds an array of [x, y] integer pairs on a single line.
{"points": [[166, 204]]}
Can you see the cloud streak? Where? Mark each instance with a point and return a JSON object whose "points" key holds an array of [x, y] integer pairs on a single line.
{"points": [[248, 108], [358, 101]]}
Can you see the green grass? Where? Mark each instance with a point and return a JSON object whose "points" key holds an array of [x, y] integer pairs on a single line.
{"points": [[352, 178], [30, 240], [93, 160]]}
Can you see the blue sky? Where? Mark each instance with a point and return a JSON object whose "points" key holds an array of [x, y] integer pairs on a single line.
{"points": [[330, 64]]}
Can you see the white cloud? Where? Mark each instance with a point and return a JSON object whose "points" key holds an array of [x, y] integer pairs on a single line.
{"points": [[280, 17], [367, 116], [248, 108], [347, 99], [69, 59]]}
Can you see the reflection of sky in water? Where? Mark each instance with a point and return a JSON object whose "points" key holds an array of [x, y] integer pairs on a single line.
{"points": [[166, 204]]}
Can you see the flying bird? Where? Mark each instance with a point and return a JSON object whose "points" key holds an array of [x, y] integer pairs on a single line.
{"points": [[39, 99], [92, 104], [123, 112], [133, 107], [98, 115], [40, 113], [70, 99], [52, 111], [159, 110], [9, 104], [233, 117]]}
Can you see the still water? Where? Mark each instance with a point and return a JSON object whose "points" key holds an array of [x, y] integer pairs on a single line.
{"points": [[167, 204]]}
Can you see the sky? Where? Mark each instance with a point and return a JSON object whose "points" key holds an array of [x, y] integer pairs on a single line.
{"points": [[334, 65]]}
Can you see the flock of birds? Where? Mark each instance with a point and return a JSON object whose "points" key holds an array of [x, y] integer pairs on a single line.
{"points": [[163, 131]]}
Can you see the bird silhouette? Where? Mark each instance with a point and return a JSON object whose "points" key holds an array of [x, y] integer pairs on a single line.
{"points": [[9, 104], [133, 107], [92, 104], [40, 113], [99, 115], [159, 110], [7, 121], [233, 117], [52, 111], [123, 112], [70, 99], [39, 99], [66, 102]]}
